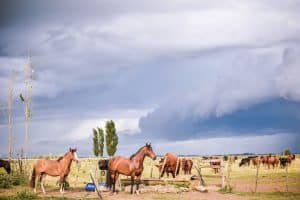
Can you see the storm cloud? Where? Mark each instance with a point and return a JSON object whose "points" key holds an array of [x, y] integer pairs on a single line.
{"points": [[165, 71]]}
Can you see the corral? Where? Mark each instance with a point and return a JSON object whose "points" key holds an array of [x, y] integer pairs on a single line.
{"points": [[271, 182]]}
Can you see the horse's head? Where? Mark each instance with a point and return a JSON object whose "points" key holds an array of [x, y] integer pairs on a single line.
{"points": [[73, 153], [149, 151]]}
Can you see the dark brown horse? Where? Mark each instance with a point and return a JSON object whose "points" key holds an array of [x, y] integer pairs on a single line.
{"points": [[187, 165], [60, 167], [132, 166], [6, 165]]}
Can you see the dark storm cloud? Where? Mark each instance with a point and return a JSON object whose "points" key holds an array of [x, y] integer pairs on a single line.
{"points": [[271, 117], [196, 65]]}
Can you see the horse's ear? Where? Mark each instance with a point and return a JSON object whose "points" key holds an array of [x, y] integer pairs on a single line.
{"points": [[70, 149]]}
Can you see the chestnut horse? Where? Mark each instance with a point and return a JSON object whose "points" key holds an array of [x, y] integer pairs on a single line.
{"points": [[170, 163], [132, 166], [187, 165], [6, 165], [60, 167]]}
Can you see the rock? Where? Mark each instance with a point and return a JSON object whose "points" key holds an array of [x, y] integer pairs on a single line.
{"points": [[184, 189], [201, 188]]}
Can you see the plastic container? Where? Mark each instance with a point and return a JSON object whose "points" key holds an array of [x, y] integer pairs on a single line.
{"points": [[91, 187]]}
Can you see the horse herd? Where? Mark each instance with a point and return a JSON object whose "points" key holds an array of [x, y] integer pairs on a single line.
{"points": [[268, 161], [133, 166]]}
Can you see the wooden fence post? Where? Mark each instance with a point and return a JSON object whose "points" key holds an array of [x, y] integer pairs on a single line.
{"points": [[223, 177], [163, 166], [151, 170], [177, 163], [96, 185], [286, 178], [256, 177]]}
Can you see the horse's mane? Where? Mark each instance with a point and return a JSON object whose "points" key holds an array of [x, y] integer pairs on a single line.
{"points": [[60, 158], [136, 152]]}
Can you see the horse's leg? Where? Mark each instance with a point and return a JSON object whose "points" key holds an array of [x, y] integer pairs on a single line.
{"points": [[42, 179], [138, 181], [132, 183], [173, 173], [37, 176], [113, 181], [116, 179], [62, 183], [162, 173]]}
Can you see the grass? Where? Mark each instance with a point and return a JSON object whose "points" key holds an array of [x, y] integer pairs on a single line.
{"points": [[270, 195], [271, 183]]}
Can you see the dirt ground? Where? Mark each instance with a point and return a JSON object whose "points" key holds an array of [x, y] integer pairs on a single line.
{"points": [[192, 195]]}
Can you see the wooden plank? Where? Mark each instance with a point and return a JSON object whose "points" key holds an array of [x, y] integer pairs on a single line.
{"points": [[96, 185]]}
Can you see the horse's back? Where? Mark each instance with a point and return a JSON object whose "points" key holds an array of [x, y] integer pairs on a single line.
{"points": [[171, 158], [120, 164], [47, 166]]}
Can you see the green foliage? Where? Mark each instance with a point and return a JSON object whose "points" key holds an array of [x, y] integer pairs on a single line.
{"points": [[95, 142], [111, 138], [100, 141], [226, 189], [9, 180], [23, 195], [67, 184], [287, 152]]}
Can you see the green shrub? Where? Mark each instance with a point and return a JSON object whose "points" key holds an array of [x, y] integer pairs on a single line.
{"points": [[25, 195], [226, 189], [9, 180], [5, 181]]}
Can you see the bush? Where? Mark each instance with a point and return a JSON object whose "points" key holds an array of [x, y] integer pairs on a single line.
{"points": [[9, 180], [25, 195], [5, 181], [226, 189]]}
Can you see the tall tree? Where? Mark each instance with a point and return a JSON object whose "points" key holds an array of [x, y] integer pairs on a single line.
{"points": [[95, 142], [287, 152], [100, 141], [111, 138]]}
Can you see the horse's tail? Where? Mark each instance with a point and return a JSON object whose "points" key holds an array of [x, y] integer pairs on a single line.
{"points": [[32, 181]]}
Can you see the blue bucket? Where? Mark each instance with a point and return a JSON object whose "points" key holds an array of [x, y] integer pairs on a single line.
{"points": [[91, 186]]}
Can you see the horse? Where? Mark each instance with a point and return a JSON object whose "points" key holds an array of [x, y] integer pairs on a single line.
{"points": [[103, 165], [272, 160], [187, 165], [171, 164], [6, 165], [132, 166], [245, 161], [256, 161], [60, 167]]}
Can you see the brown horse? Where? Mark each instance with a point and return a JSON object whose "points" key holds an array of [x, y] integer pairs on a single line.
{"points": [[272, 160], [60, 167], [132, 166], [187, 165], [170, 164], [6, 165]]}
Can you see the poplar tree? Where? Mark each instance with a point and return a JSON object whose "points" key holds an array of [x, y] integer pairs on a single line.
{"points": [[111, 138], [100, 141], [95, 142]]}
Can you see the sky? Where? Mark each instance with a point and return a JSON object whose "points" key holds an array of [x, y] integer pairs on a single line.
{"points": [[191, 77]]}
